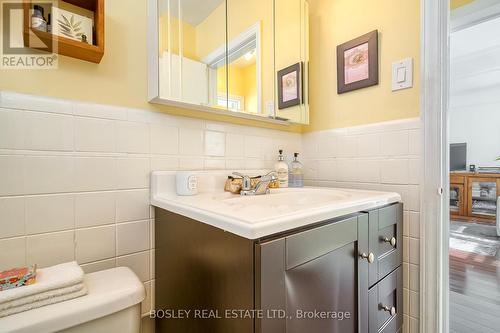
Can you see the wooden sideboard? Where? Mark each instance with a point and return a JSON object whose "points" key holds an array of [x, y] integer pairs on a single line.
{"points": [[473, 196]]}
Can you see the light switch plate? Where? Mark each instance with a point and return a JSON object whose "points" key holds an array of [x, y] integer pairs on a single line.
{"points": [[402, 74]]}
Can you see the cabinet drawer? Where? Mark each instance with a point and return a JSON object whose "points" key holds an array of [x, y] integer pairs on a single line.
{"points": [[385, 241], [386, 304], [457, 179], [311, 244]]}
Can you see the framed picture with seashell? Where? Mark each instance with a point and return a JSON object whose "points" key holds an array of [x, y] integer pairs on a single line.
{"points": [[357, 63], [290, 86]]}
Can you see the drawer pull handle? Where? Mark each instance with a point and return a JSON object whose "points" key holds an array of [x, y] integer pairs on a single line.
{"points": [[391, 310], [370, 257], [392, 241]]}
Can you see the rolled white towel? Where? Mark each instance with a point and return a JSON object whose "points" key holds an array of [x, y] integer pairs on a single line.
{"points": [[47, 279], [45, 302]]}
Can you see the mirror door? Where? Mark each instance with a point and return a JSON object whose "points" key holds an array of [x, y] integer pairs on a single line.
{"points": [[192, 51], [292, 59], [250, 56]]}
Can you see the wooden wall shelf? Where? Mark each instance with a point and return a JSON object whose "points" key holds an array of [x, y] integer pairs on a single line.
{"points": [[66, 46]]}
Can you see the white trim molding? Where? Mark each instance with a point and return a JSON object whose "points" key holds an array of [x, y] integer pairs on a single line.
{"points": [[475, 13], [434, 227]]}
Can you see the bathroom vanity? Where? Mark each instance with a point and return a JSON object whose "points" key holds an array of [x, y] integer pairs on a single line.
{"points": [[295, 260]]}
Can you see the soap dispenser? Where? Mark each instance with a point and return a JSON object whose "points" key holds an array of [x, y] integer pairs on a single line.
{"points": [[281, 168], [296, 176]]}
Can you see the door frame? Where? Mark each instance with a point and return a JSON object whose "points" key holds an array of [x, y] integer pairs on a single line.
{"points": [[434, 193]]}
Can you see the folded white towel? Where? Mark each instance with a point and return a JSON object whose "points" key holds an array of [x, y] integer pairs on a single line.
{"points": [[49, 278], [41, 296], [47, 301]]}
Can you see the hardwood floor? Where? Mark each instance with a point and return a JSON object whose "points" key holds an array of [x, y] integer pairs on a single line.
{"points": [[474, 292]]}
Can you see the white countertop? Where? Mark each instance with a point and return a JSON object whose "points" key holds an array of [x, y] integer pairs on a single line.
{"points": [[254, 217]]}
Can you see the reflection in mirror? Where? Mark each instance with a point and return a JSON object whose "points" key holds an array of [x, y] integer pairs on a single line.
{"points": [[192, 44], [292, 50], [244, 58], [250, 29]]}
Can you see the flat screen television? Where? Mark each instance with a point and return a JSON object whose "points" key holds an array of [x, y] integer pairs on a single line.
{"points": [[458, 157]]}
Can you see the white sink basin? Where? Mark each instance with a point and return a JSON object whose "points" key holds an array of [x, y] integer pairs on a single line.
{"points": [[262, 215], [291, 196]]}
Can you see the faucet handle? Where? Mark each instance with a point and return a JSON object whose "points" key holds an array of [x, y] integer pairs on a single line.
{"points": [[247, 183], [270, 176]]}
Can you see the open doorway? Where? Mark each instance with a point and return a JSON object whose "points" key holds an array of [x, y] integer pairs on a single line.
{"points": [[474, 150], [439, 96]]}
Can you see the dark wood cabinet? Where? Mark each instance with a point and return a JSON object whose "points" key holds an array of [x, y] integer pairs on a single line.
{"points": [[385, 241], [312, 275], [341, 275], [381, 290], [473, 196], [386, 304]]}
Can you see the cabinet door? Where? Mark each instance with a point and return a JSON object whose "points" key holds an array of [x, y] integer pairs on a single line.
{"points": [[457, 200], [385, 241], [309, 275], [191, 54], [482, 197], [386, 304]]}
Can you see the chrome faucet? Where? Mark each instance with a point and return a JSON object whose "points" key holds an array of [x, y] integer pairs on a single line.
{"points": [[262, 187]]}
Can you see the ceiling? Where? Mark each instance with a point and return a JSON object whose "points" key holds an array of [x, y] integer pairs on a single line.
{"points": [[473, 12], [475, 38], [475, 58], [192, 11]]}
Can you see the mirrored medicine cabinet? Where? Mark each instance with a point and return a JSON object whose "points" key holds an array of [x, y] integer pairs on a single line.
{"points": [[246, 58]]}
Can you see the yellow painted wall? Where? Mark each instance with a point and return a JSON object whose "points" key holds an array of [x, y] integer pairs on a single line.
{"points": [[211, 32], [242, 15], [188, 37], [335, 22], [120, 78], [249, 77], [235, 76], [242, 82], [454, 4]]}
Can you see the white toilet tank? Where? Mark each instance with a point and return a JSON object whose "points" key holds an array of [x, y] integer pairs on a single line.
{"points": [[113, 304]]}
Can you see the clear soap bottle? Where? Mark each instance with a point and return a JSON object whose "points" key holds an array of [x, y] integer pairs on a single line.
{"points": [[296, 175]]}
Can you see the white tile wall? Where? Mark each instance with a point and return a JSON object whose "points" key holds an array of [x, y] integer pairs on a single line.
{"points": [[96, 243], [95, 208], [50, 248], [47, 213], [384, 156], [12, 177], [74, 177], [132, 237], [12, 215]]}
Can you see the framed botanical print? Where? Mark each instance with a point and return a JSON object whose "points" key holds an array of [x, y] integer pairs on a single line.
{"points": [[357, 63], [290, 86]]}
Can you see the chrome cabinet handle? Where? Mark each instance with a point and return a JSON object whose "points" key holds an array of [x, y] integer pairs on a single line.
{"points": [[370, 257], [392, 241], [391, 310]]}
